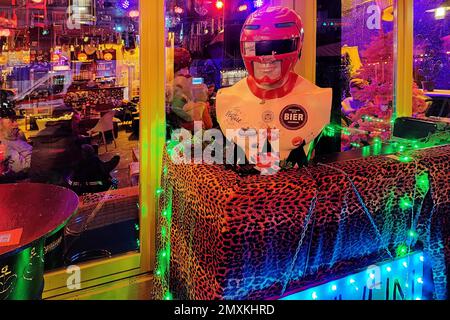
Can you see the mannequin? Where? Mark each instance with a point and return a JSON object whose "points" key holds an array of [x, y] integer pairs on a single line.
{"points": [[273, 97], [189, 102]]}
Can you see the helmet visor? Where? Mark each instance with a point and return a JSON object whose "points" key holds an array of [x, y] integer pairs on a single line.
{"points": [[271, 47]]}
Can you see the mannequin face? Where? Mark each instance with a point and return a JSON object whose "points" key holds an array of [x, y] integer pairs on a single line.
{"points": [[268, 71]]}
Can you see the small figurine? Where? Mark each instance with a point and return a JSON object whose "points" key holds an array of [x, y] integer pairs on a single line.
{"points": [[188, 100]]}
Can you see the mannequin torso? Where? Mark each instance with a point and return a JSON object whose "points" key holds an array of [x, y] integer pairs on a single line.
{"points": [[299, 115]]}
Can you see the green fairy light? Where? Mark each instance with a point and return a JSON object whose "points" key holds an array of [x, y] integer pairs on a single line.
{"points": [[423, 182], [163, 232], [329, 131], [158, 272], [159, 191], [415, 144], [166, 170], [168, 296], [346, 132], [366, 151], [377, 148], [405, 203], [402, 250], [405, 159], [136, 227], [412, 234]]}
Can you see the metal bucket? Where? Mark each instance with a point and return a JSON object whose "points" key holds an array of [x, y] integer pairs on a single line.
{"points": [[22, 273]]}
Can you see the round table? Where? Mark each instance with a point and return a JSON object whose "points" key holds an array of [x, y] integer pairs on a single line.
{"points": [[30, 214]]}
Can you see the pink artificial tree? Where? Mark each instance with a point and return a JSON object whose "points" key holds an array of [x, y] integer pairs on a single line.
{"points": [[373, 120]]}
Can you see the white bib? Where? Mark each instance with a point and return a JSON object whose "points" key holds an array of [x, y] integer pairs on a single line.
{"points": [[303, 113]]}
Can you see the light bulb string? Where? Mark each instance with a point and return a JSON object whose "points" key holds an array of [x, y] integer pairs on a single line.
{"points": [[163, 264]]}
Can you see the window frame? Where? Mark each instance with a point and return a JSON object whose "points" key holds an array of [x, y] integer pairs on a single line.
{"points": [[152, 138], [153, 127]]}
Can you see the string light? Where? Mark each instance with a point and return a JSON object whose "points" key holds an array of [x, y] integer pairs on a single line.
{"points": [[347, 288], [423, 182], [163, 261], [243, 7], [405, 203], [258, 3], [402, 250], [405, 159], [412, 234], [219, 4], [125, 4], [168, 296]]}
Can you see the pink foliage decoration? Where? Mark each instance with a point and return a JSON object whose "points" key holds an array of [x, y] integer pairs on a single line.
{"points": [[373, 120]]}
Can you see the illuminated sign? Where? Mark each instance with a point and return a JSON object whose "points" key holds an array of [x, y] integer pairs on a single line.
{"points": [[400, 279]]}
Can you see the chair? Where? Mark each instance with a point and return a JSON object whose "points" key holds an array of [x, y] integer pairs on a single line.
{"points": [[134, 172], [105, 124]]}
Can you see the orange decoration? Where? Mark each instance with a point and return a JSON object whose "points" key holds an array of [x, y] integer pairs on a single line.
{"points": [[82, 57], [108, 56]]}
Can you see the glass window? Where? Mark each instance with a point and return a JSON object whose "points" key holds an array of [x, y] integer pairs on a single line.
{"points": [[432, 55], [69, 116], [367, 70], [235, 106]]}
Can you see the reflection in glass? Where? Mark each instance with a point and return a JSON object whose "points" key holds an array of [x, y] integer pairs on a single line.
{"points": [[69, 115], [368, 73]]}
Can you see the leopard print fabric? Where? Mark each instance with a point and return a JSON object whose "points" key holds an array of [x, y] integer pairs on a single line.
{"points": [[265, 237]]}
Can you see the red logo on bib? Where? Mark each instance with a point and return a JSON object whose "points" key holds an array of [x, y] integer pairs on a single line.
{"points": [[293, 117]]}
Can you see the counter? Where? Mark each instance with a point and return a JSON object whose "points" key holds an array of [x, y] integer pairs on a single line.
{"points": [[265, 237]]}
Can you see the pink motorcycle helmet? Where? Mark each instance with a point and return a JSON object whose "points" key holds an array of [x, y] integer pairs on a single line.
{"points": [[272, 34]]}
